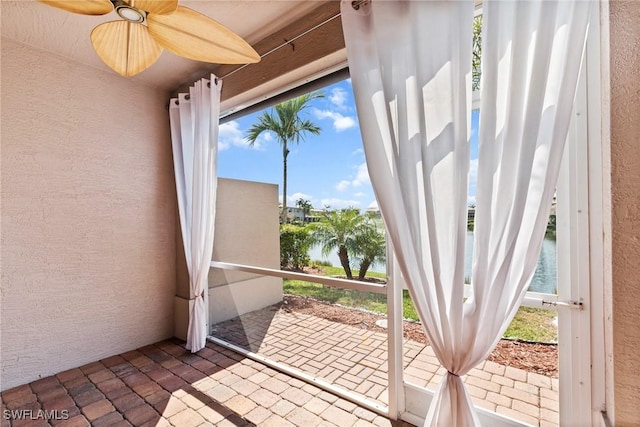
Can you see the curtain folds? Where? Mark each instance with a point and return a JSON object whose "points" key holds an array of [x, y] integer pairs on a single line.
{"points": [[194, 135], [410, 64]]}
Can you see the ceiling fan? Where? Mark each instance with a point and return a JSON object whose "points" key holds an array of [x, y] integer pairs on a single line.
{"points": [[133, 44]]}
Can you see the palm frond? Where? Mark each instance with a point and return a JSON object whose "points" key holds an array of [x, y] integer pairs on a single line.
{"points": [[266, 123]]}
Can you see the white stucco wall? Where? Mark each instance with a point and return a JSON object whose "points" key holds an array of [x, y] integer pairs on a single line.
{"points": [[88, 215], [247, 232]]}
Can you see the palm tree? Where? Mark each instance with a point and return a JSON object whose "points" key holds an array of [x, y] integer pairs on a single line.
{"points": [[305, 205], [288, 127], [340, 230], [371, 246]]}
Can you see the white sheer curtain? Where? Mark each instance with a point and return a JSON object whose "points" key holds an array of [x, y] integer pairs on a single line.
{"points": [[194, 134], [410, 64]]}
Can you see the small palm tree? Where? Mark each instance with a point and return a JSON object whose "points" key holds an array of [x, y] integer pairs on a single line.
{"points": [[289, 127], [340, 230], [372, 249]]}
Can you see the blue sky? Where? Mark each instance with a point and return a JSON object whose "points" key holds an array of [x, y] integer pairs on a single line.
{"points": [[328, 169]]}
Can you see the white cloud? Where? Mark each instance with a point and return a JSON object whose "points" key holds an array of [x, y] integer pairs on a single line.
{"points": [[299, 195], [293, 198], [338, 97], [362, 177], [265, 136], [357, 151], [230, 134], [471, 200], [340, 122], [360, 194], [373, 205], [343, 185], [335, 203]]}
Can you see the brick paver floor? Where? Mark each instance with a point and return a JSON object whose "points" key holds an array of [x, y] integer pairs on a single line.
{"points": [[165, 385], [355, 359]]}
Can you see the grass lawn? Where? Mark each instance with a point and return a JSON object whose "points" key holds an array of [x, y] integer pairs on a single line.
{"points": [[530, 324], [533, 324]]}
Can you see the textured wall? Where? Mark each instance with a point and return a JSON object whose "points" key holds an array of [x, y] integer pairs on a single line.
{"points": [[625, 216], [88, 215], [247, 228], [245, 212], [247, 232]]}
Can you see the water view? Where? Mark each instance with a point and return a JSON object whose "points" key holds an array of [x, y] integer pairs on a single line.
{"points": [[544, 279]]}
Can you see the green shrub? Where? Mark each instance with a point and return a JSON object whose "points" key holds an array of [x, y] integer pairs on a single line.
{"points": [[320, 263], [294, 246]]}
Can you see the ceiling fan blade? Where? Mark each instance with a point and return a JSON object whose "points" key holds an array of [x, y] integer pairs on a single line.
{"points": [[126, 47], [162, 7], [85, 7], [193, 35]]}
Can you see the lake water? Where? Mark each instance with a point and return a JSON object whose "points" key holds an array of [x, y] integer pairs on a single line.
{"points": [[544, 279]]}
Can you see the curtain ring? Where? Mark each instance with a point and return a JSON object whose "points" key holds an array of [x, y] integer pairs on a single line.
{"points": [[187, 97], [356, 4]]}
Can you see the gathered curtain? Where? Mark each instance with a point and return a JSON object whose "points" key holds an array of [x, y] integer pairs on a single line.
{"points": [[194, 121], [410, 65]]}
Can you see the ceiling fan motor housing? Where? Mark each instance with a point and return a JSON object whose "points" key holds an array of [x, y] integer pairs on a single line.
{"points": [[130, 13]]}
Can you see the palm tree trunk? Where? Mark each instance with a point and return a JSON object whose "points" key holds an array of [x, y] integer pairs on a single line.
{"points": [[364, 266], [285, 153], [343, 255]]}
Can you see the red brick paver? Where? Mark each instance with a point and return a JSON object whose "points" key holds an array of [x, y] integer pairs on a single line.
{"points": [[355, 359], [165, 385]]}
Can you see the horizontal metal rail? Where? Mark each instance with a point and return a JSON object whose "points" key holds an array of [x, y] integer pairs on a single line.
{"points": [[324, 280], [531, 299], [540, 300]]}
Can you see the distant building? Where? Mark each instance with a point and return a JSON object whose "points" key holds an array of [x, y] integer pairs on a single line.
{"points": [[296, 214], [375, 212], [471, 213]]}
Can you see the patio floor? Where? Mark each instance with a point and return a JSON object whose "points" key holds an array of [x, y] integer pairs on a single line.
{"points": [[163, 385], [355, 359]]}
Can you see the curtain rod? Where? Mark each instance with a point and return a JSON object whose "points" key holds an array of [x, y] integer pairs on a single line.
{"points": [[286, 43], [356, 4]]}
